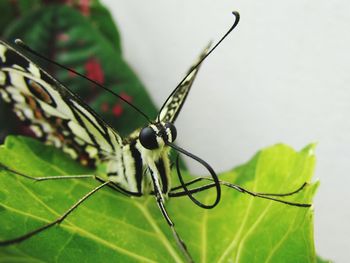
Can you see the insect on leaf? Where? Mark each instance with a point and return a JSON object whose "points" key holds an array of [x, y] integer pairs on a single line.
{"points": [[115, 228]]}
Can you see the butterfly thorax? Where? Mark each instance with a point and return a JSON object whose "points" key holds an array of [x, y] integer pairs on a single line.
{"points": [[144, 163]]}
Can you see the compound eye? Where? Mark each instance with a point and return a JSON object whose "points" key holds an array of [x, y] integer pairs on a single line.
{"points": [[173, 132], [148, 138]]}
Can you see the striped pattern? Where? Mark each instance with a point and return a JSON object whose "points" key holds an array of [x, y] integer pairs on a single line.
{"points": [[60, 118], [173, 106], [56, 115]]}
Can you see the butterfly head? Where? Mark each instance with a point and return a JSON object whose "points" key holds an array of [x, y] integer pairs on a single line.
{"points": [[155, 136]]}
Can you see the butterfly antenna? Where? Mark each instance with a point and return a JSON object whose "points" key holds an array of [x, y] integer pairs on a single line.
{"points": [[208, 167], [237, 18], [20, 43], [184, 186]]}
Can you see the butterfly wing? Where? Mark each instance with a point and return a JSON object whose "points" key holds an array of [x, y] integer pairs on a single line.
{"points": [[174, 104], [54, 113]]}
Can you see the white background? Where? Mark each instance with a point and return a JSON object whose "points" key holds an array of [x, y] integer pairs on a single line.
{"points": [[282, 76]]}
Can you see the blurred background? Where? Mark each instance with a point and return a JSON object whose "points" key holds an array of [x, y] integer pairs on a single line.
{"points": [[281, 76]]}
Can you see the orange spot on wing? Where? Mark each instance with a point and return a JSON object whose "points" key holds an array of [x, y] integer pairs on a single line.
{"points": [[39, 92]]}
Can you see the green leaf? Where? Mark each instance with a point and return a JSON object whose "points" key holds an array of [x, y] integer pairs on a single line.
{"points": [[115, 228], [321, 260], [93, 10], [12, 10], [103, 20]]}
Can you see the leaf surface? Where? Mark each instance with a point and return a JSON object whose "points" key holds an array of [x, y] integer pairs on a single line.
{"points": [[116, 228]]}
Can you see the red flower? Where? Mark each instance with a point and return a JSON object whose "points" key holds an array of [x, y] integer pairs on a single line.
{"points": [[117, 110], [104, 107], [94, 70], [85, 7], [125, 96], [62, 37]]}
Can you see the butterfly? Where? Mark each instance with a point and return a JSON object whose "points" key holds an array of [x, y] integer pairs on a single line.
{"points": [[136, 165]]}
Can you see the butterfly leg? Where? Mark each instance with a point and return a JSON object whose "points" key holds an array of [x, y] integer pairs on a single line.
{"points": [[160, 202], [57, 221], [118, 188], [198, 179], [82, 176], [44, 178], [175, 193]]}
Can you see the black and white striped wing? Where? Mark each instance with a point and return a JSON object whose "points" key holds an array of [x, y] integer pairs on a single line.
{"points": [[173, 106], [55, 114]]}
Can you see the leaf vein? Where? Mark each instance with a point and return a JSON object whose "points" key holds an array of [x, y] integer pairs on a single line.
{"points": [[85, 233], [161, 235]]}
